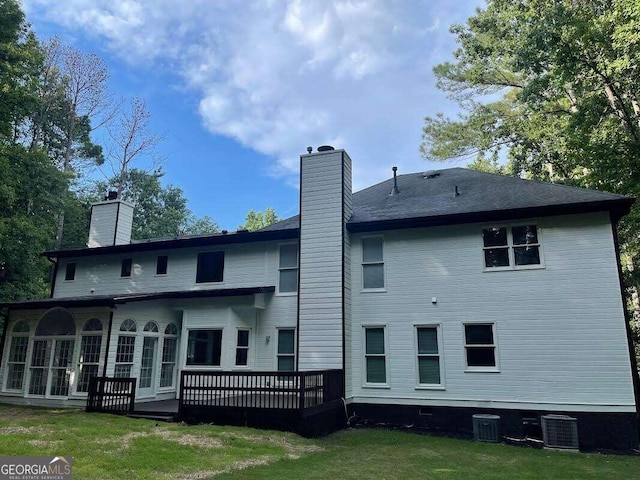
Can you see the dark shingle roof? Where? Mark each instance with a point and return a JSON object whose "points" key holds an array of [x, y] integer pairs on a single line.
{"points": [[430, 197]]}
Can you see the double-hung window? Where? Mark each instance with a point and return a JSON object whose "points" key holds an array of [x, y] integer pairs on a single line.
{"points": [[126, 349], [480, 346], [210, 267], [17, 356], [125, 267], [242, 348], [511, 247], [286, 350], [428, 348], [169, 353], [70, 272], [372, 263], [161, 264], [288, 268], [375, 356]]}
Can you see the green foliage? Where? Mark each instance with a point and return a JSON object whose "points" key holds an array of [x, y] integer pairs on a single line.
{"points": [[552, 86], [31, 192], [160, 211], [257, 220]]}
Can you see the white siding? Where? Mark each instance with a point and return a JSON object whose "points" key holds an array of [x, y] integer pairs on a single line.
{"points": [[321, 259], [560, 329], [125, 224], [245, 265], [111, 223]]}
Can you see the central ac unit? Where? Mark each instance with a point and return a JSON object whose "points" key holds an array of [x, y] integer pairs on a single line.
{"points": [[560, 431]]}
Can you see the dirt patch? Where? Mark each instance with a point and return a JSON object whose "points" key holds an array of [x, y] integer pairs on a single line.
{"points": [[254, 462], [50, 444], [187, 439], [23, 430]]}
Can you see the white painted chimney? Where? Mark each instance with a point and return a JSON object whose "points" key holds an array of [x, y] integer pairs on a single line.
{"points": [[325, 276], [111, 223]]}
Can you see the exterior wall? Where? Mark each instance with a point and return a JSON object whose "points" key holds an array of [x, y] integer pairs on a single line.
{"points": [[561, 341], [245, 265], [322, 221], [125, 224]]}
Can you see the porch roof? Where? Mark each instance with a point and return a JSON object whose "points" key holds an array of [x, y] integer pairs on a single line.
{"points": [[113, 300]]}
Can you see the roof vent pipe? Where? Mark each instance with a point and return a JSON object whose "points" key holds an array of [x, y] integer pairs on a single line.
{"points": [[456, 192], [394, 190]]}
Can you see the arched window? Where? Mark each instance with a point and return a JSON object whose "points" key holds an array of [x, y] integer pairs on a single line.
{"points": [[51, 357], [126, 349], [56, 322], [89, 360], [169, 351], [17, 356], [151, 327]]}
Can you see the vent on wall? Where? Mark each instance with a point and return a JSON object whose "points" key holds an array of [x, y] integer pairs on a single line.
{"points": [[560, 431]]}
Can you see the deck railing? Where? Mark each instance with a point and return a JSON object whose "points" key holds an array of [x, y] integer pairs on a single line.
{"points": [[272, 390], [113, 395]]}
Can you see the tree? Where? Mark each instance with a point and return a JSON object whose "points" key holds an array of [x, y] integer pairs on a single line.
{"points": [[552, 86], [132, 138], [160, 211], [257, 220]]}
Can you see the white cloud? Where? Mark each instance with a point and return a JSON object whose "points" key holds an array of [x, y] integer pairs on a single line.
{"points": [[278, 76]]}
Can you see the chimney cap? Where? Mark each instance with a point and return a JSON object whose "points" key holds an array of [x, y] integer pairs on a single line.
{"points": [[325, 148], [111, 195]]}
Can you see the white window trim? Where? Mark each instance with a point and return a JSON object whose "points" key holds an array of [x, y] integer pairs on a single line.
{"points": [[204, 285], [363, 263], [472, 369], [248, 348], [75, 273], [385, 328], [297, 269], [510, 247], [175, 378], [205, 367], [93, 333], [156, 265], [295, 347], [25, 374], [429, 386]]}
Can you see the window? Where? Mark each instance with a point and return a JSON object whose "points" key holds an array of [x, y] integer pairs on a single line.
{"points": [[169, 353], [242, 348], [375, 356], [89, 360], [288, 269], [429, 371], [125, 268], [286, 350], [161, 264], [70, 272], [210, 267], [372, 263], [479, 345], [126, 349], [204, 347], [17, 356], [514, 247]]}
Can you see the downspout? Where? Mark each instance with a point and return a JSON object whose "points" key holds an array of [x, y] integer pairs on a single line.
{"points": [[106, 352], [632, 356], [5, 328], [54, 276]]}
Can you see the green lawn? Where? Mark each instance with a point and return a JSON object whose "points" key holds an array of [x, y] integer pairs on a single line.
{"points": [[111, 447]]}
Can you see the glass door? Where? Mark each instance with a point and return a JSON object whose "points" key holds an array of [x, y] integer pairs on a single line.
{"points": [[51, 367], [40, 356], [147, 367], [61, 367]]}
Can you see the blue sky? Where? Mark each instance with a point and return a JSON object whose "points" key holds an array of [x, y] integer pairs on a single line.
{"points": [[239, 89]]}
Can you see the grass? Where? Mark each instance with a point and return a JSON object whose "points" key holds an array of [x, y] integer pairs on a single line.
{"points": [[111, 447]]}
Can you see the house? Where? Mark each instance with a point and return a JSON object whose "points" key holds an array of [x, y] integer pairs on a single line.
{"points": [[436, 296]]}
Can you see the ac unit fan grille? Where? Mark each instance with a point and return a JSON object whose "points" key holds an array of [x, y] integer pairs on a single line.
{"points": [[560, 431]]}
